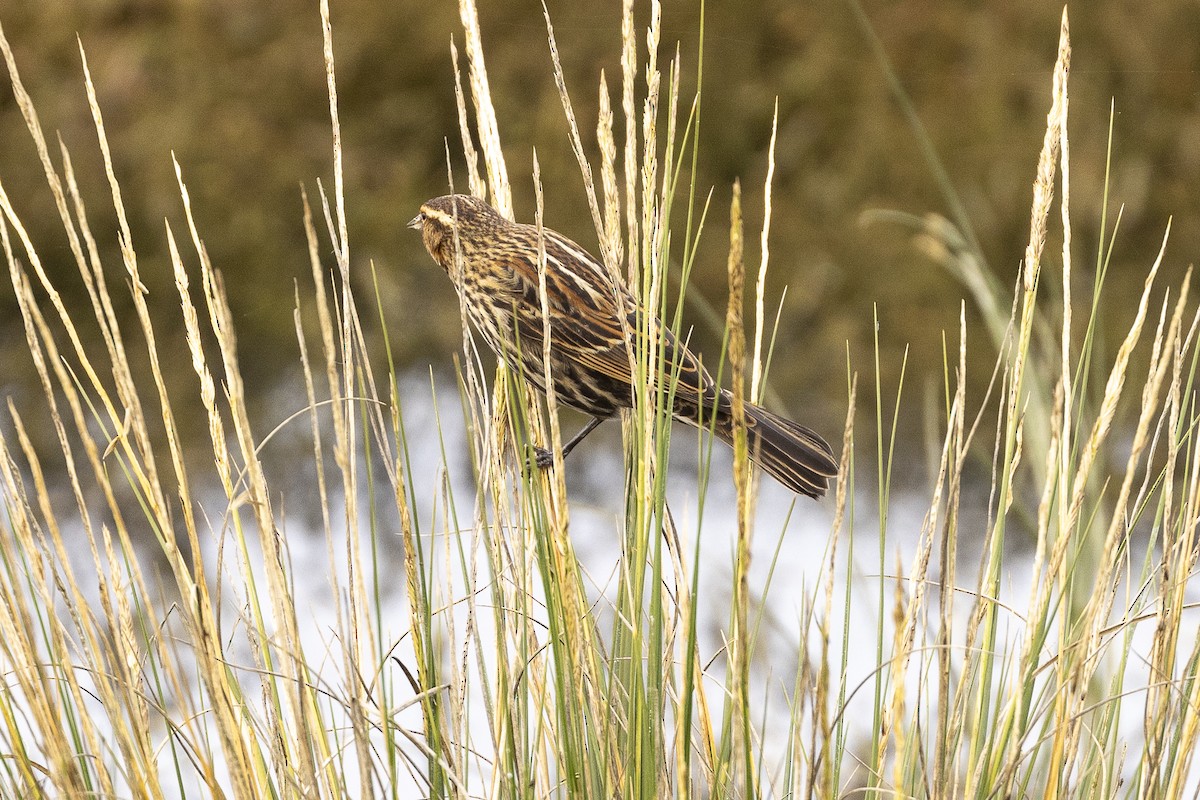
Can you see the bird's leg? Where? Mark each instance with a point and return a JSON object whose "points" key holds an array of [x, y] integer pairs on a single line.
{"points": [[545, 456]]}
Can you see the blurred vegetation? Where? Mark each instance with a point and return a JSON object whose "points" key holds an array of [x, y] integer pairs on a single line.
{"points": [[235, 88]]}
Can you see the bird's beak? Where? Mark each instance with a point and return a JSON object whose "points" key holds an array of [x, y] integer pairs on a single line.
{"points": [[415, 222]]}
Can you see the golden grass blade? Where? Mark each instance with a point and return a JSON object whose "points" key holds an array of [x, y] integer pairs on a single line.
{"points": [[585, 168], [760, 288], [475, 180], [610, 238], [485, 112]]}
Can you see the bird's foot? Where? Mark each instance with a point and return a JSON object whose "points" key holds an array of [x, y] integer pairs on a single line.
{"points": [[543, 457]]}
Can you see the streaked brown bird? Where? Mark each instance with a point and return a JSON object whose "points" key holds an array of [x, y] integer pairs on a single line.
{"points": [[589, 358]]}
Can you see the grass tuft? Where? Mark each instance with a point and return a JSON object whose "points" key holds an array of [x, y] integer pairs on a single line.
{"points": [[1025, 627]]}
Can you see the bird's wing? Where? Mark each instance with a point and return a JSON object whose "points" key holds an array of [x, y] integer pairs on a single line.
{"points": [[586, 307]]}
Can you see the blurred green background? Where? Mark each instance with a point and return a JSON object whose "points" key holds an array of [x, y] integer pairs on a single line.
{"points": [[236, 89]]}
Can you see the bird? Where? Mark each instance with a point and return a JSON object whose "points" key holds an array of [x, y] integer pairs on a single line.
{"points": [[493, 263]]}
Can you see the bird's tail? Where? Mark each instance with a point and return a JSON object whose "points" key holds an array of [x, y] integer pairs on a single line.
{"points": [[794, 455]]}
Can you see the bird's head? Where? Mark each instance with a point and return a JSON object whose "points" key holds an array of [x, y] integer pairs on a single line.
{"points": [[450, 218]]}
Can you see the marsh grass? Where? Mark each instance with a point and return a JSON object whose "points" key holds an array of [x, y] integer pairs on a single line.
{"points": [[151, 640]]}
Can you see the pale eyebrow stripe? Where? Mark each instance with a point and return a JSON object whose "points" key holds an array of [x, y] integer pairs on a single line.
{"points": [[440, 216]]}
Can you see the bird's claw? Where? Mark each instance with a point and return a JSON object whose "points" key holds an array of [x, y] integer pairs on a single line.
{"points": [[543, 457]]}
